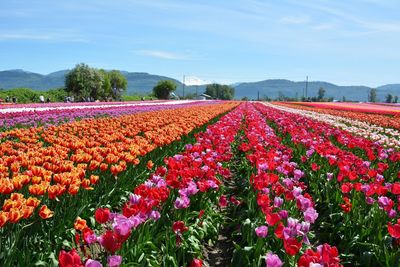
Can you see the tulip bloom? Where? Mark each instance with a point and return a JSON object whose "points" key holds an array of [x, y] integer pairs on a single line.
{"points": [[102, 215], [262, 231], [273, 260], [45, 212], [196, 263], [67, 259], [114, 261]]}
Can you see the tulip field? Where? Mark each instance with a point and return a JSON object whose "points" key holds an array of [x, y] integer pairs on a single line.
{"points": [[199, 183]]}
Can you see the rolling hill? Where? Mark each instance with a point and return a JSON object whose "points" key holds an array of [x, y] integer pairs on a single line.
{"points": [[143, 83]]}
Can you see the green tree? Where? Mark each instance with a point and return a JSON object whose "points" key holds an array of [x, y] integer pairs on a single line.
{"points": [[321, 93], [84, 82], [118, 83], [163, 89], [396, 98], [389, 98], [219, 91], [106, 90], [372, 96]]}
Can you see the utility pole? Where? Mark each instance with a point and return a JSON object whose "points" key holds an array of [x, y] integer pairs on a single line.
{"points": [[306, 85], [258, 95], [183, 87]]}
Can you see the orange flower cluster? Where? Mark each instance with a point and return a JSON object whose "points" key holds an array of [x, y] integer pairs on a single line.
{"points": [[60, 159], [377, 119]]}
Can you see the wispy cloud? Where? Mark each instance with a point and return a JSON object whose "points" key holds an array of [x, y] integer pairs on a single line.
{"points": [[323, 27], [163, 54], [42, 36], [381, 26], [294, 20], [16, 36], [366, 23]]}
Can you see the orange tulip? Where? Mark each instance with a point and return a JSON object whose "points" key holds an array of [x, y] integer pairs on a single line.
{"points": [[6, 186], [16, 196], [37, 189], [52, 191], [150, 164], [27, 211], [33, 202], [3, 218], [45, 212], [73, 189], [80, 224], [94, 179], [14, 215], [36, 179], [8, 204], [85, 183], [73, 149]]}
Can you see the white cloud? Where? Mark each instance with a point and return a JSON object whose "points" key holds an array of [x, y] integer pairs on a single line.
{"points": [[294, 20], [193, 80], [323, 27], [366, 23], [42, 36], [381, 26], [163, 54], [17, 36]]}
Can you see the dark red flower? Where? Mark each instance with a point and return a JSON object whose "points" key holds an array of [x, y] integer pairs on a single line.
{"points": [[102, 215], [69, 259], [279, 230], [179, 227], [196, 263], [110, 241], [292, 246], [272, 218], [346, 188], [201, 213], [223, 202], [315, 167], [394, 230], [396, 188]]}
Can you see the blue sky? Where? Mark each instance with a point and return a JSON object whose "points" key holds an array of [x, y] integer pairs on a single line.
{"points": [[345, 42]]}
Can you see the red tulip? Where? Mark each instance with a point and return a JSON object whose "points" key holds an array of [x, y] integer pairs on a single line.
{"points": [[196, 263], [69, 259], [292, 246], [102, 215], [179, 227]]}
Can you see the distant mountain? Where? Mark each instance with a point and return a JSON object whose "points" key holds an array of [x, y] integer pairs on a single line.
{"points": [[274, 88], [140, 82]]}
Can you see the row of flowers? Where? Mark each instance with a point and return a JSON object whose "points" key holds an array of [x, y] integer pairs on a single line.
{"points": [[358, 190], [357, 107], [378, 119], [8, 106], [166, 196], [44, 164], [384, 136], [288, 211], [45, 116]]}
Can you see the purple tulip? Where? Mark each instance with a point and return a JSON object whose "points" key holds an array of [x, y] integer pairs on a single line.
{"points": [[114, 261], [262, 231], [93, 263], [310, 215], [273, 260], [155, 215], [278, 202], [182, 202]]}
